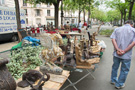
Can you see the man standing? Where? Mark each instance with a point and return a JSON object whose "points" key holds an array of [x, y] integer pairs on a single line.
{"points": [[79, 27], [123, 39]]}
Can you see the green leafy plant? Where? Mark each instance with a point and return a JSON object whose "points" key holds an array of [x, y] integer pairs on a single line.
{"points": [[24, 59], [106, 32]]}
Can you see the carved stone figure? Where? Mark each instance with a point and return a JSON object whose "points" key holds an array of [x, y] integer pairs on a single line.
{"points": [[51, 68], [30, 77], [40, 83]]}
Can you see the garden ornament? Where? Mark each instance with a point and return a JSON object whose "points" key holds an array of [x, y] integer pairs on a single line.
{"points": [[32, 76], [40, 83]]}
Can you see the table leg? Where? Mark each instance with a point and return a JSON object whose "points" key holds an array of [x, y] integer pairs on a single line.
{"points": [[73, 84], [91, 74]]}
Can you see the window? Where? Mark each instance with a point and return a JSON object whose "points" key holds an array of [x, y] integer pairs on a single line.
{"points": [[38, 21], [37, 12], [26, 20], [26, 13], [2, 2], [48, 13], [24, 3]]}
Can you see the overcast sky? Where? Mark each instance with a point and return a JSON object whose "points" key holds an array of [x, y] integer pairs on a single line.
{"points": [[104, 8]]}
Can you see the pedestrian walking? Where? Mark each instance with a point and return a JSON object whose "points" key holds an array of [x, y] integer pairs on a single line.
{"points": [[123, 39], [85, 25], [79, 27], [67, 26]]}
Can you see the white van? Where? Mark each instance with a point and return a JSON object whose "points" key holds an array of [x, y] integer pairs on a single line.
{"points": [[8, 23]]}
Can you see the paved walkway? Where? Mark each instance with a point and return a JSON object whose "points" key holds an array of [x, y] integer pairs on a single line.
{"points": [[103, 72]]}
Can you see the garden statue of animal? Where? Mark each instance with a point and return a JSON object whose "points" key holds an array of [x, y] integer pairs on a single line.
{"points": [[50, 53]]}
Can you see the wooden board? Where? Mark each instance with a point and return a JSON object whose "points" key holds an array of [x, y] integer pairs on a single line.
{"points": [[55, 82], [86, 67], [94, 60]]}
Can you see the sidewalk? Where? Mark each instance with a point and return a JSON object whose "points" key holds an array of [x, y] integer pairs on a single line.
{"points": [[103, 72]]}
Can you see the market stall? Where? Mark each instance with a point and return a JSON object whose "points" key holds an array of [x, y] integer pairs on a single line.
{"points": [[45, 63]]}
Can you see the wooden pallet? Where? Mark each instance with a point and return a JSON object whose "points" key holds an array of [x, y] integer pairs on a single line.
{"points": [[55, 82]]}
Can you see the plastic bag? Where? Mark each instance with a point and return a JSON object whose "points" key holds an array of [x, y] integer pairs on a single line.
{"points": [[102, 44]]}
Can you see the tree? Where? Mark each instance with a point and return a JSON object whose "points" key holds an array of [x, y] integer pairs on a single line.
{"points": [[72, 5], [133, 14], [131, 3], [99, 15], [113, 16], [17, 8], [120, 6], [56, 6], [80, 5]]}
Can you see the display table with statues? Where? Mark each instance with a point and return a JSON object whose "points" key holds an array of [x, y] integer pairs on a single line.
{"points": [[87, 54], [56, 60]]}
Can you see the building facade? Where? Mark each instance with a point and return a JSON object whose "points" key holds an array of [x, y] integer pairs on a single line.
{"points": [[38, 14], [42, 13]]}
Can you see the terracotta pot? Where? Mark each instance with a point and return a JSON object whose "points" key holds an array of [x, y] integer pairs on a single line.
{"points": [[7, 82]]}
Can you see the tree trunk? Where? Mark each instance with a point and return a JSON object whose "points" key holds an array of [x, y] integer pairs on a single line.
{"points": [[130, 10], [17, 8], [89, 13], [121, 18], [79, 15], [89, 16], [84, 15], [56, 14], [62, 12], [125, 15]]}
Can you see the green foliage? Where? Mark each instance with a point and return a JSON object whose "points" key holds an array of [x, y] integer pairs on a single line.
{"points": [[113, 15], [76, 4], [133, 13], [98, 14], [65, 41], [118, 5], [23, 60], [70, 5], [106, 32]]}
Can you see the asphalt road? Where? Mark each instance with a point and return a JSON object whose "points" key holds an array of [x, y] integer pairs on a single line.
{"points": [[103, 72]]}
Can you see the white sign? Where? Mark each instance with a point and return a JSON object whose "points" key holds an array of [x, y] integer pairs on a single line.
{"points": [[8, 21]]}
